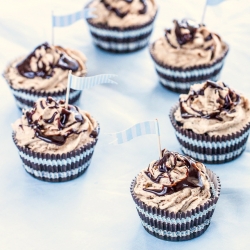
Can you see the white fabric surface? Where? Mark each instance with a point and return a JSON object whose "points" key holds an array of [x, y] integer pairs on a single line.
{"points": [[96, 211]]}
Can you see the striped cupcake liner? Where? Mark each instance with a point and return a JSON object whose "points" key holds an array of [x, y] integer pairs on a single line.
{"points": [[179, 226], [25, 98], [121, 40], [179, 79], [56, 167], [210, 149]]}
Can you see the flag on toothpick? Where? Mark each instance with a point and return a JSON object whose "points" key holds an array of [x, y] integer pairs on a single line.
{"points": [[66, 20], [142, 128], [209, 3], [81, 83], [213, 2], [139, 129]]}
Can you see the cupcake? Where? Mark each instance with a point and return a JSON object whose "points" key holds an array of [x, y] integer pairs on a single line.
{"points": [[175, 197], [44, 73], [55, 142], [188, 54], [122, 25], [212, 122]]}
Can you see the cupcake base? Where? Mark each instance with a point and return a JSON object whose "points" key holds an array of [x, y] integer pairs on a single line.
{"points": [[210, 149], [122, 48], [179, 226], [25, 99], [119, 40], [180, 87], [179, 79], [56, 167]]}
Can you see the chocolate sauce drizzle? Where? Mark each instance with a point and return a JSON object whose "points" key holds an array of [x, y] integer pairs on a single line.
{"points": [[65, 62], [188, 24], [226, 104], [119, 13], [185, 37], [50, 120], [145, 7], [166, 165], [62, 121]]}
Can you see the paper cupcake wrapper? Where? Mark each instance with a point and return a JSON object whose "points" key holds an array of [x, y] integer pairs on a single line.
{"points": [[56, 167], [121, 40], [210, 149], [179, 79], [25, 98], [179, 226]]}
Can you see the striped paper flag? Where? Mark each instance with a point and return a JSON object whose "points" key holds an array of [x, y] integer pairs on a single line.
{"points": [[142, 128], [209, 3], [81, 83], [66, 20], [214, 2]]}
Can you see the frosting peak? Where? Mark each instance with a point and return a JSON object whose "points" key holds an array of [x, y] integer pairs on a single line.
{"points": [[213, 108], [120, 7], [123, 13], [188, 44], [211, 105], [175, 182], [185, 30], [42, 61], [164, 172], [51, 125], [45, 69]]}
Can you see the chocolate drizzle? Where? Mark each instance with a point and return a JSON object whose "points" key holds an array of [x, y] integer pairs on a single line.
{"points": [[166, 165], [62, 118], [50, 120], [226, 104], [119, 13], [65, 62], [167, 32], [185, 31], [145, 7], [187, 24]]}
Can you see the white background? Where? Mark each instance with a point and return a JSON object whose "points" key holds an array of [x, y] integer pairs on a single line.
{"points": [[96, 211]]}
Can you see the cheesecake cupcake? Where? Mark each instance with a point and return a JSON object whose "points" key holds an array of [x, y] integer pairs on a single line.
{"points": [[175, 197], [44, 73], [121, 25], [55, 141], [189, 53], [212, 122]]}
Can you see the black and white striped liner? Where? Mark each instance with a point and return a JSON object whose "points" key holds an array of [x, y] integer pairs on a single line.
{"points": [[210, 149], [179, 79], [182, 225], [25, 99], [121, 40], [56, 167]]}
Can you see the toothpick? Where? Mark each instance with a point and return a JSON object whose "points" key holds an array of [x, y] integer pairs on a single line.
{"points": [[52, 31], [68, 89], [204, 12], [159, 139]]}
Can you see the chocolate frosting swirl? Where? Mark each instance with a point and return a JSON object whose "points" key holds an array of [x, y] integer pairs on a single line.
{"points": [[123, 13], [52, 126], [40, 62], [174, 182], [189, 27], [45, 69], [226, 102], [164, 168], [213, 108], [188, 44]]}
